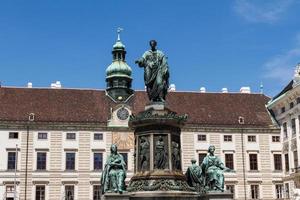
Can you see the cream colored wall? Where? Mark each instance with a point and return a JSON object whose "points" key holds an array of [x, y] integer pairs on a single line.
{"points": [[263, 147]]}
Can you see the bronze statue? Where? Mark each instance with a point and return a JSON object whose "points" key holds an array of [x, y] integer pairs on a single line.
{"points": [[156, 73], [194, 176], [160, 154], [114, 173], [144, 153], [213, 171], [176, 165]]}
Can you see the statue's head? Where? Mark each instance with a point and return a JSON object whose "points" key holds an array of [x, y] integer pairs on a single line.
{"points": [[193, 161], [153, 44], [161, 138], [211, 149], [114, 148]]}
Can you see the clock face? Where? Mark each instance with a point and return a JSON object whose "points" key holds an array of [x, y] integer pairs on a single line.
{"points": [[122, 114]]}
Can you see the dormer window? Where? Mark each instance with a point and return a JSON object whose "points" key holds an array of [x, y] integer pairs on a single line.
{"points": [[283, 109]]}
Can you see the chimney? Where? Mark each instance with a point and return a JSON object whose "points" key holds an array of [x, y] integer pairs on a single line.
{"points": [[202, 90], [224, 90], [172, 88], [29, 85], [56, 85], [245, 90]]}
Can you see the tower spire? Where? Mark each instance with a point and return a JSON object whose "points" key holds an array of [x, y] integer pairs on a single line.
{"points": [[119, 30], [118, 73]]}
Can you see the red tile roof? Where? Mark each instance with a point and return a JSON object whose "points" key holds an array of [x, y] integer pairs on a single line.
{"points": [[74, 105]]}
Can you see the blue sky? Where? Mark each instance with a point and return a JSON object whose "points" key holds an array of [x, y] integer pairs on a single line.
{"points": [[209, 43]]}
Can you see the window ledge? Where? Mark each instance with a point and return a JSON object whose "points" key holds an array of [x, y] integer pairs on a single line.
{"points": [[253, 171]]}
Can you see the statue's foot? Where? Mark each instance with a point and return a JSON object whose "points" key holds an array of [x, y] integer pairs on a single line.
{"points": [[121, 191], [115, 190]]}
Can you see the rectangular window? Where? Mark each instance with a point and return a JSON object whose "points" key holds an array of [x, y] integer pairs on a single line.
{"points": [[275, 138], [70, 161], [287, 164], [71, 136], [10, 189], [227, 138], [69, 192], [96, 192], [284, 127], [291, 105], [125, 157], [251, 138], [201, 157], [294, 126], [42, 136], [230, 188], [13, 135], [229, 160], [98, 161], [11, 161], [254, 191], [277, 162], [279, 191], [40, 192], [287, 191], [253, 161], [98, 136], [41, 160], [298, 100], [282, 109], [295, 155], [201, 137]]}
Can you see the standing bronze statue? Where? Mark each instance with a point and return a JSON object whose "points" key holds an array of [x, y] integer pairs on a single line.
{"points": [[114, 173], [144, 154], [160, 158], [156, 73]]}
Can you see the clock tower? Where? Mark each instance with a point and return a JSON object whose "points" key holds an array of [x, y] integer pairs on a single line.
{"points": [[118, 74]]}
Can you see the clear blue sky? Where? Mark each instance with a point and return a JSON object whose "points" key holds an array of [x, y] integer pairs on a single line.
{"points": [[209, 43]]}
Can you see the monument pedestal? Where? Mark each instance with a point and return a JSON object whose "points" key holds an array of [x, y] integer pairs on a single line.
{"points": [[164, 195], [116, 196], [158, 150], [226, 195]]}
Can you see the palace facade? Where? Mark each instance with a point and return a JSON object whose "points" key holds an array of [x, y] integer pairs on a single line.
{"points": [[54, 141], [285, 109]]}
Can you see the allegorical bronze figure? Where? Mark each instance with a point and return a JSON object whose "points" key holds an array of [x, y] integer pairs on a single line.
{"points": [[156, 73], [114, 173], [213, 171]]}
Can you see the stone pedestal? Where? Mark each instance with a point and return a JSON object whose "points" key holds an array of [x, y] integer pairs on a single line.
{"points": [[164, 195], [226, 195], [115, 196], [157, 150]]}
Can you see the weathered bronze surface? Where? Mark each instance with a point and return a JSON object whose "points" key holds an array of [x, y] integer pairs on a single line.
{"points": [[194, 176], [213, 171], [114, 173], [156, 73]]}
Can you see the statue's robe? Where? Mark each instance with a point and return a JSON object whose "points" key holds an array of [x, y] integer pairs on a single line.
{"points": [[212, 167], [193, 175], [114, 174], [156, 74]]}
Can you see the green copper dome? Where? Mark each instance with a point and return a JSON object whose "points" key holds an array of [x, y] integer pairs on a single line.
{"points": [[119, 67], [118, 74]]}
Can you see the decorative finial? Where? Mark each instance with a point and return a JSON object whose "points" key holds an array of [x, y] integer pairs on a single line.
{"points": [[261, 87], [119, 29]]}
